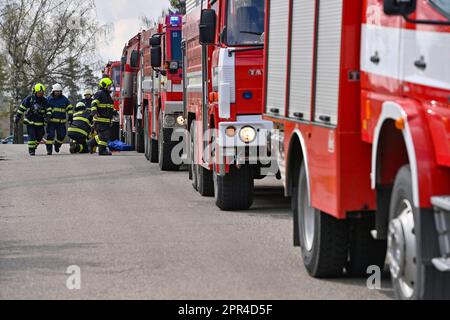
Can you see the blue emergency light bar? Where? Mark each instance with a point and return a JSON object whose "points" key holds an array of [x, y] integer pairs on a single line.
{"points": [[175, 20]]}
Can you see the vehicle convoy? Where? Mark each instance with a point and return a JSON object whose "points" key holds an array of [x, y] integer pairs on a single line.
{"points": [[359, 95], [161, 91], [112, 71], [223, 70]]}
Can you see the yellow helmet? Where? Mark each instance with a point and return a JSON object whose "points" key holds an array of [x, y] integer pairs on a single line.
{"points": [[39, 88], [105, 83]]}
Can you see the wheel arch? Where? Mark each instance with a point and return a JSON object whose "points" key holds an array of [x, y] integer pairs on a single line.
{"points": [[405, 153], [297, 155]]}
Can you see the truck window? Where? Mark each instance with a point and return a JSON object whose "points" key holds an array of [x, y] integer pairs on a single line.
{"points": [[443, 6], [176, 45], [116, 76], [245, 22]]}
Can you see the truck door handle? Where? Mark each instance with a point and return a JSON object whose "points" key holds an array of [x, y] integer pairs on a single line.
{"points": [[375, 58], [421, 64], [299, 115], [325, 118], [275, 110]]}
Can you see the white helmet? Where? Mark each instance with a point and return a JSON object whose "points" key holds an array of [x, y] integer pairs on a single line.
{"points": [[88, 92], [57, 87]]}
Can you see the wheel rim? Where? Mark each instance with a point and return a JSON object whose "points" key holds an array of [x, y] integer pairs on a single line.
{"points": [[307, 221], [402, 249]]}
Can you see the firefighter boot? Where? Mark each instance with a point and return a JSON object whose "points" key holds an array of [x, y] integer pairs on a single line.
{"points": [[103, 151], [92, 144], [32, 152], [49, 149], [57, 147], [73, 147]]}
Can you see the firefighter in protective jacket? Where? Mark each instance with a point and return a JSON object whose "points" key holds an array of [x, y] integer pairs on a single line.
{"points": [[80, 129], [103, 113], [35, 111], [62, 111]]}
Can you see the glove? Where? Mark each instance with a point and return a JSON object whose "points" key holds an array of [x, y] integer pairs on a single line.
{"points": [[47, 119], [70, 119], [94, 114], [16, 120]]}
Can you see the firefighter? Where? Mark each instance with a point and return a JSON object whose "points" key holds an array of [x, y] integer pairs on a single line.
{"points": [[88, 98], [62, 111], [102, 112], [80, 129], [35, 111]]}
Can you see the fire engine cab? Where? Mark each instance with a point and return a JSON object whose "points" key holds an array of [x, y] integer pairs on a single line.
{"points": [[359, 95], [223, 67], [161, 90]]}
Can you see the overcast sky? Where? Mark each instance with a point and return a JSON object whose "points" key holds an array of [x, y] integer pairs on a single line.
{"points": [[124, 14]]}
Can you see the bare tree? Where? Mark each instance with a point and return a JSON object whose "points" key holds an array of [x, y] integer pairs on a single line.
{"points": [[41, 38], [178, 5]]}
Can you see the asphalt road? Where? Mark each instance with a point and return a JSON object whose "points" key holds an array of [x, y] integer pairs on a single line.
{"points": [[137, 233]]}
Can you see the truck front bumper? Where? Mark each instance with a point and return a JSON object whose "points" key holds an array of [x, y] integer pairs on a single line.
{"points": [[238, 151]]}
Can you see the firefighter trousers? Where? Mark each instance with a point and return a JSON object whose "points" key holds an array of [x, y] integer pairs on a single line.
{"points": [[56, 133], [35, 135], [103, 131]]}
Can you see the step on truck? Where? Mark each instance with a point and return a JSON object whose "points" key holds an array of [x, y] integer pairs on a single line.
{"points": [[359, 95], [223, 69], [161, 92]]}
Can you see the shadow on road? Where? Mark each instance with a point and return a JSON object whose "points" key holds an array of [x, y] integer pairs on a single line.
{"points": [[270, 201]]}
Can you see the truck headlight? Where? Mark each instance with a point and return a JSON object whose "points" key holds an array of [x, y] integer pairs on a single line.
{"points": [[180, 121], [248, 134], [173, 65], [169, 121]]}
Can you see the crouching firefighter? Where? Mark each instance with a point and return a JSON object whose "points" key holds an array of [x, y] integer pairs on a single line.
{"points": [[62, 110], [80, 129], [103, 112], [35, 110]]}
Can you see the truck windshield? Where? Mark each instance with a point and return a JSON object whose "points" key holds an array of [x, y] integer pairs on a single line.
{"points": [[116, 76], [176, 45], [443, 6], [245, 22]]}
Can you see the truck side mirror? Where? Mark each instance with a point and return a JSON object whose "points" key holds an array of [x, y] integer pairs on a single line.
{"points": [[134, 59], [123, 62], [207, 27], [399, 7], [156, 55], [155, 41]]}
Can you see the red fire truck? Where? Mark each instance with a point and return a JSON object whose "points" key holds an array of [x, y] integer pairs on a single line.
{"points": [[160, 85], [223, 71], [359, 92], [130, 113], [112, 71]]}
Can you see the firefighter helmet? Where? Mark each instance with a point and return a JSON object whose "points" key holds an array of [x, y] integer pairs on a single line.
{"points": [[39, 87], [57, 87], [105, 83], [88, 92]]}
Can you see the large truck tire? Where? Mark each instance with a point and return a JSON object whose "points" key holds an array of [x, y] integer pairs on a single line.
{"points": [[165, 148], [412, 236], [235, 190], [140, 143], [323, 238], [364, 250], [192, 167]]}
